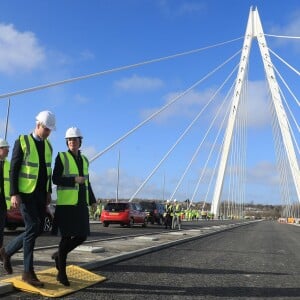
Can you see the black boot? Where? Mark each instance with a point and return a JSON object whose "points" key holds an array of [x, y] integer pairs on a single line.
{"points": [[62, 274], [63, 278]]}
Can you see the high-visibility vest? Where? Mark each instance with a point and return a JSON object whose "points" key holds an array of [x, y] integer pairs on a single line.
{"points": [[30, 165], [6, 184], [168, 208], [68, 195], [177, 210]]}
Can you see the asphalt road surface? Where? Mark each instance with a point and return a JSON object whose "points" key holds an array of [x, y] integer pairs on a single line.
{"points": [[257, 261]]}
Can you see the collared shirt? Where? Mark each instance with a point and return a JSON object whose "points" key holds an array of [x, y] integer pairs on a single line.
{"points": [[36, 137]]}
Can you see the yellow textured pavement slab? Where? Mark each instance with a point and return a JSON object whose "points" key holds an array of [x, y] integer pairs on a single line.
{"points": [[79, 279]]}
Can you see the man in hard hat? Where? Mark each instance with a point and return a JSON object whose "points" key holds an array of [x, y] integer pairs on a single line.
{"points": [[74, 196], [4, 186], [176, 220], [168, 214], [30, 191]]}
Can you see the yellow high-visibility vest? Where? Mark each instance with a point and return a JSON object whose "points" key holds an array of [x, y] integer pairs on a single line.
{"points": [[6, 184], [67, 195], [30, 166]]}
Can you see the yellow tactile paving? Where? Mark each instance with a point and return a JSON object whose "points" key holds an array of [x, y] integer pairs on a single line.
{"points": [[79, 278]]}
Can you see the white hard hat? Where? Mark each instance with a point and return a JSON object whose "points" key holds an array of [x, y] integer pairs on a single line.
{"points": [[175, 200], [73, 132], [46, 118], [3, 143], [168, 201]]}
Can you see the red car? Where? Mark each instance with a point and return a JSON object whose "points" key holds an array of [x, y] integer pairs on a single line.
{"points": [[123, 213], [14, 218]]}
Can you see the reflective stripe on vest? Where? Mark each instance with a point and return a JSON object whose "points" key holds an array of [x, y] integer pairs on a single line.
{"points": [[177, 210], [6, 167], [30, 165], [68, 195]]}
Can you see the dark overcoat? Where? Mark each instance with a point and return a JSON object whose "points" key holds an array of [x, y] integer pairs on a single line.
{"points": [[72, 220]]}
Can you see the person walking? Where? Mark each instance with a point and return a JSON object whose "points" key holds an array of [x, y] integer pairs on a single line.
{"points": [[168, 214], [4, 186], [176, 220], [30, 191], [74, 196]]}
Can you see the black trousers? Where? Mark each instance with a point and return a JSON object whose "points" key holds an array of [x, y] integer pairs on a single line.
{"points": [[66, 245]]}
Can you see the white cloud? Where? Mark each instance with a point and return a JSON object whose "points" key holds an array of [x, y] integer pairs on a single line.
{"points": [[6, 127], [89, 151], [290, 29], [19, 51], [257, 106], [81, 99], [87, 55], [191, 7], [184, 107], [137, 83], [105, 185], [264, 174]]}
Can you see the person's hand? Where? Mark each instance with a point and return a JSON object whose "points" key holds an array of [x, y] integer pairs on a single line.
{"points": [[48, 199], [79, 179], [15, 201]]}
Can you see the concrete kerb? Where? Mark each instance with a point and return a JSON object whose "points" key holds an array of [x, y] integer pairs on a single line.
{"points": [[6, 287]]}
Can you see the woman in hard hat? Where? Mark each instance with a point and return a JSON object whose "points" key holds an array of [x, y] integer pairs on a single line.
{"points": [[4, 186], [74, 195]]}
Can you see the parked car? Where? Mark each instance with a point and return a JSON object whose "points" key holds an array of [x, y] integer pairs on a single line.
{"points": [[14, 218], [154, 210], [123, 213]]}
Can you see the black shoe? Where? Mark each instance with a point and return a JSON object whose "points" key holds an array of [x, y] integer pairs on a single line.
{"points": [[6, 261], [30, 278], [55, 257], [63, 279]]}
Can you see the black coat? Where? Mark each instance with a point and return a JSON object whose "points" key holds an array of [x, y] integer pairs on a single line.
{"points": [[72, 220]]}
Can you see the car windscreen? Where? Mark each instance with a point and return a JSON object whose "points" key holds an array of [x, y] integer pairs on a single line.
{"points": [[116, 206], [147, 205]]}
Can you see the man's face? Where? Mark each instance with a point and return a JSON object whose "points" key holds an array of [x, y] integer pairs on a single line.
{"points": [[42, 131], [3, 152]]}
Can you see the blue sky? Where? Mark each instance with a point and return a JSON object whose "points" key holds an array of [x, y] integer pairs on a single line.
{"points": [[43, 42]]}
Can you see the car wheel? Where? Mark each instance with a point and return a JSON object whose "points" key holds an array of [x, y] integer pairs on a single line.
{"points": [[48, 223], [105, 224], [152, 220], [145, 223], [131, 222]]}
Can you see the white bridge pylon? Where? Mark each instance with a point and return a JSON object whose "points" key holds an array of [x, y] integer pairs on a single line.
{"points": [[254, 30]]}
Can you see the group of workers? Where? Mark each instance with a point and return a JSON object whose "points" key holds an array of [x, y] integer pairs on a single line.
{"points": [[26, 184], [173, 212]]}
